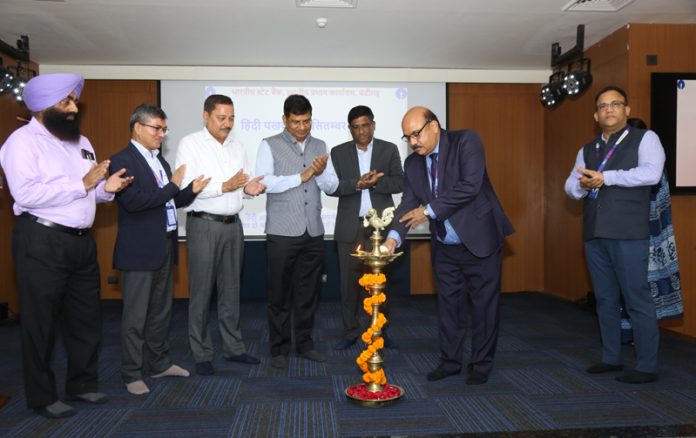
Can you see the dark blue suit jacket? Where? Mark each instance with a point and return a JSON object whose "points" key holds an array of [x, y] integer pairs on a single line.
{"points": [[141, 242], [466, 196]]}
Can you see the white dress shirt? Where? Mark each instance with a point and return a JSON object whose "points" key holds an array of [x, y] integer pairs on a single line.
{"points": [[204, 155]]}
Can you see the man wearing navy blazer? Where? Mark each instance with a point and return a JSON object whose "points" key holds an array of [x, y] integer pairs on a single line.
{"points": [[446, 182], [146, 248], [369, 171]]}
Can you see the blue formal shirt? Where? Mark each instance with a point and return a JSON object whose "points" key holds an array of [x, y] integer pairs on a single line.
{"points": [[451, 237]]}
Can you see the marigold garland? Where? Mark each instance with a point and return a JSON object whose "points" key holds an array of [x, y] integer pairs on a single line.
{"points": [[367, 281]]}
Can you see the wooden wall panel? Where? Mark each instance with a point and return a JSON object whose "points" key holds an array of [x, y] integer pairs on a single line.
{"points": [[674, 46], [509, 119], [10, 109]]}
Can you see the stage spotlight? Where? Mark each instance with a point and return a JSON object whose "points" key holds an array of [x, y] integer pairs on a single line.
{"points": [[552, 93], [6, 80], [18, 89], [576, 81]]}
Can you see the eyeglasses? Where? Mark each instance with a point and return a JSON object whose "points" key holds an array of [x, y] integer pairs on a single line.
{"points": [[164, 129], [614, 104], [408, 137]]}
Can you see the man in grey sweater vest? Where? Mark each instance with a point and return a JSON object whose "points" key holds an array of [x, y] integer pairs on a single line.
{"points": [[292, 164], [613, 174]]}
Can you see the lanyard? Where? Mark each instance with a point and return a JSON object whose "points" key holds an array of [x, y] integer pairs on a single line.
{"points": [[594, 192], [159, 178]]}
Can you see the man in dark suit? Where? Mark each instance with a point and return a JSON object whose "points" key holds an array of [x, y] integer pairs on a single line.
{"points": [[369, 172], [446, 182], [146, 247]]}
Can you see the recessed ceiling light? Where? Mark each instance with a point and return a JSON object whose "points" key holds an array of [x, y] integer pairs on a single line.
{"points": [[595, 5], [327, 3]]}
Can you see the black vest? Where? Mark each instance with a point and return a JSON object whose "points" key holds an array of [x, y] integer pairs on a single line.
{"points": [[617, 212]]}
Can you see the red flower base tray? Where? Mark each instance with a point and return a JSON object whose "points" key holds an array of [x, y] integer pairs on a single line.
{"points": [[360, 394]]}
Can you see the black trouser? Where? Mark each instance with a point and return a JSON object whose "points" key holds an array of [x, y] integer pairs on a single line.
{"points": [[467, 287], [58, 281], [294, 283]]}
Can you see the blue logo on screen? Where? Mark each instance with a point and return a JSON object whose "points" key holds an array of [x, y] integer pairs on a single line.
{"points": [[681, 84], [401, 93]]}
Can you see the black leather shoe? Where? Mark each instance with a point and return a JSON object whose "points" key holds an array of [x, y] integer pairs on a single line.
{"points": [[602, 367], [243, 358], [205, 368], [343, 344], [637, 377], [476, 378], [439, 374]]}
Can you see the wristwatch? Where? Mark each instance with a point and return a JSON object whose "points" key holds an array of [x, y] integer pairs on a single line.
{"points": [[426, 212]]}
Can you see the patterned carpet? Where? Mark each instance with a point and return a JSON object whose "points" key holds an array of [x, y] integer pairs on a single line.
{"points": [[538, 386]]}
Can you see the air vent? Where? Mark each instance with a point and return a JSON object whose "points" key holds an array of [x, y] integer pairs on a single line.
{"points": [[595, 5], [327, 3]]}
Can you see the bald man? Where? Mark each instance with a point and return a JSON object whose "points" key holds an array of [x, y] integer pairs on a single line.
{"points": [[446, 183], [55, 181]]}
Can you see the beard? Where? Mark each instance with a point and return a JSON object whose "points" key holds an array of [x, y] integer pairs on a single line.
{"points": [[64, 125]]}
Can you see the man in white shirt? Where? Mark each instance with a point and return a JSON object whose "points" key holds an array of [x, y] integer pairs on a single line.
{"points": [[215, 238]]}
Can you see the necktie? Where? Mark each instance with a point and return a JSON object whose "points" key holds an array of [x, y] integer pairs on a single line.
{"points": [[439, 225], [433, 173]]}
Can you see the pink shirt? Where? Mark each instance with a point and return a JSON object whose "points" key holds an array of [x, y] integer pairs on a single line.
{"points": [[44, 175]]}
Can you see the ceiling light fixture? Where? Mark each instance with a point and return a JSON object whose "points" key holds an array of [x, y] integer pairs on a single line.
{"points": [[571, 72], [595, 5], [552, 93], [17, 80], [578, 77], [326, 3]]}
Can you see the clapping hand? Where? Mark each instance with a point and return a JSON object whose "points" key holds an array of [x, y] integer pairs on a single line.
{"points": [[319, 163], [178, 175], [199, 184], [116, 182], [369, 179], [236, 181], [95, 174], [255, 187]]}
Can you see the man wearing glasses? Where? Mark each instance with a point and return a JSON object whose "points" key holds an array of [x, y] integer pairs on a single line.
{"points": [[613, 174], [292, 164], [446, 183], [146, 247]]}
